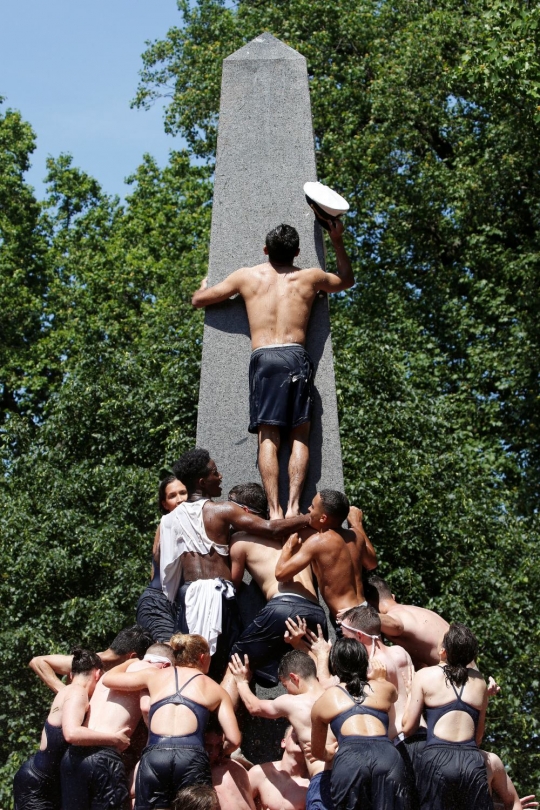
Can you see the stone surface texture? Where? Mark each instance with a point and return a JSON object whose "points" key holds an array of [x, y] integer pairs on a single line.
{"points": [[265, 154]]}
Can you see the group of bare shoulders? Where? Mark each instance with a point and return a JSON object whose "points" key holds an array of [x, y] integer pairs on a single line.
{"points": [[105, 711]]}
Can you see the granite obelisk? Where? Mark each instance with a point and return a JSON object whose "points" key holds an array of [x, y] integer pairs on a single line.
{"points": [[265, 154]]}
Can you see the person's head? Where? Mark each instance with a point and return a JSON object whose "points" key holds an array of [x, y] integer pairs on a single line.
{"points": [[198, 472], [131, 642], [328, 510], [363, 624], [171, 492], [290, 743], [282, 244], [349, 661], [251, 497], [196, 797], [213, 740], [159, 651], [88, 664], [295, 667], [458, 649], [191, 650], [376, 590]]}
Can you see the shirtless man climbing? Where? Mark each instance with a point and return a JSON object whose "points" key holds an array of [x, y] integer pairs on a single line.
{"points": [[194, 557], [417, 629], [324, 546], [278, 298], [298, 675], [263, 640]]}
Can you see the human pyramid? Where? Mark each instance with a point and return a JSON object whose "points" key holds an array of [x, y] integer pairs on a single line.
{"points": [[154, 719]]}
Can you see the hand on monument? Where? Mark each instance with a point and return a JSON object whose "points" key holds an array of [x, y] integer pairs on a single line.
{"points": [[528, 801], [493, 687], [295, 632], [319, 646], [123, 740], [240, 672], [204, 283]]}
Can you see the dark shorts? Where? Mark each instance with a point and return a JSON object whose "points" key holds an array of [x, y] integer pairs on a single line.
{"points": [[280, 387], [453, 777], [163, 771], [369, 774], [410, 749], [33, 790], [156, 614], [231, 628], [93, 778], [263, 640], [318, 795]]}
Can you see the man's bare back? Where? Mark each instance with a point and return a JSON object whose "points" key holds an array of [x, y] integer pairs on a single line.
{"points": [[260, 558], [418, 630], [279, 296]]}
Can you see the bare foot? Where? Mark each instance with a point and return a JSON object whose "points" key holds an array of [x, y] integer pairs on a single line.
{"points": [[292, 512], [276, 514]]}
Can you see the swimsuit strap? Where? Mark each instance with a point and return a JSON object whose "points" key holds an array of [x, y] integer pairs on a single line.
{"points": [[179, 691]]}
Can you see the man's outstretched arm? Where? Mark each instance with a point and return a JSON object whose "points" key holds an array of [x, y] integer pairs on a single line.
{"points": [[344, 278], [206, 295]]}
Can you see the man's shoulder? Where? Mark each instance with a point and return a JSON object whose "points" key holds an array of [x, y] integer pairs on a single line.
{"points": [[400, 655]]}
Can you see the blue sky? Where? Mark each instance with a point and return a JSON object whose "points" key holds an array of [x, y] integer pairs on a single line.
{"points": [[71, 68]]}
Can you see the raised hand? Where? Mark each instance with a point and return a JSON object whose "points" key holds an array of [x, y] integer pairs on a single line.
{"points": [[240, 672], [295, 632]]}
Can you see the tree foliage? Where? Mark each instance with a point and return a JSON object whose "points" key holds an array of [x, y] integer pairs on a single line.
{"points": [[426, 118]]}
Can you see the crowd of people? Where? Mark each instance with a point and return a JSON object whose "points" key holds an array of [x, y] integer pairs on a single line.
{"points": [[154, 719]]}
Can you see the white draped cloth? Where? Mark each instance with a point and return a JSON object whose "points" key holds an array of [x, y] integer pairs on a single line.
{"points": [[204, 608], [180, 531]]}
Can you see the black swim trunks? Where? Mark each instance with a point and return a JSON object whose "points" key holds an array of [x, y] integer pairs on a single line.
{"points": [[164, 769], [156, 614], [93, 778], [280, 386], [263, 639], [34, 790]]}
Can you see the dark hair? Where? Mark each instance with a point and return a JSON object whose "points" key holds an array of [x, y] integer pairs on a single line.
{"points": [[335, 505], [461, 647], [251, 495], [363, 617], [298, 662], [196, 797], [213, 726], [85, 661], [192, 466], [162, 491], [375, 588], [349, 661], [132, 640], [159, 648], [282, 244]]}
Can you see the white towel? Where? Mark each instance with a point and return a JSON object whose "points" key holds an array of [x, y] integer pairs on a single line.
{"points": [[204, 608]]}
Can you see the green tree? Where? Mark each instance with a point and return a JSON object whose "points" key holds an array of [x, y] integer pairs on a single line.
{"points": [[426, 118], [78, 507]]}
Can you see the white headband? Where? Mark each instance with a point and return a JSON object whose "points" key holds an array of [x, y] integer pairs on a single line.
{"points": [[356, 630], [156, 659]]}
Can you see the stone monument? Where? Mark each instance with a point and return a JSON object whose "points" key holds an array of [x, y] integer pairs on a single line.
{"points": [[265, 154]]}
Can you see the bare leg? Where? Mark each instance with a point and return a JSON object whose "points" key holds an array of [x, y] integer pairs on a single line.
{"points": [[298, 464], [229, 684], [269, 439]]}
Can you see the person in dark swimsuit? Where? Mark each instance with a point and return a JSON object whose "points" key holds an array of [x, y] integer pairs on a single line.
{"points": [[154, 611], [36, 785], [454, 697], [367, 771], [180, 704]]}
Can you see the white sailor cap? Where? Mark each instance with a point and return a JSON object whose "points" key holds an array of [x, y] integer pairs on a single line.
{"points": [[326, 203]]}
